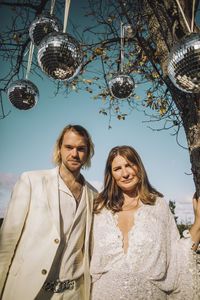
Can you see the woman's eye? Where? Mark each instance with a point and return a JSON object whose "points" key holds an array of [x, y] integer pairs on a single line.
{"points": [[116, 169]]}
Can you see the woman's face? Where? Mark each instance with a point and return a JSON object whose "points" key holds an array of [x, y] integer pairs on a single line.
{"points": [[124, 173]]}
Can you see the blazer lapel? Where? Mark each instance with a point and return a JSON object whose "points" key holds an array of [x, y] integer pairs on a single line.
{"points": [[53, 197], [89, 205]]}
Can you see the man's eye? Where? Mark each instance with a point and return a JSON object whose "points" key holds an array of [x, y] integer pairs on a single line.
{"points": [[82, 149]]}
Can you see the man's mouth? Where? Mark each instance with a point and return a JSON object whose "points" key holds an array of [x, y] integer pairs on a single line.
{"points": [[75, 161]]}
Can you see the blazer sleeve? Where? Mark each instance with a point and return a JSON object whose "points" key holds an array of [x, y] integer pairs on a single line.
{"points": [[13, 224]]}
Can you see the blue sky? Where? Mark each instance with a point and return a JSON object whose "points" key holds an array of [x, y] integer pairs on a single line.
{"points": [[28, 137]]}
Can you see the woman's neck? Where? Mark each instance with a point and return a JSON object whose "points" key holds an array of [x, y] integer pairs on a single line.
{"points": [[130, 195], [131, 201]]}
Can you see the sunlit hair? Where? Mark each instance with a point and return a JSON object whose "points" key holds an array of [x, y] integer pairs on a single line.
{"points": [[56, 157], [112, 197]]}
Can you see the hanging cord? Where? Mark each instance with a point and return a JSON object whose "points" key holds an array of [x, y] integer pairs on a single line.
{"points": [[31, 49], [29, 59], [67, 4], [122, 45], [183, 15], [192, 22], [52, 6]]}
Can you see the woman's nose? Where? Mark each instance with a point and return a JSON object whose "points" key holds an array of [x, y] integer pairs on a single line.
{"points": [[125, 173]]}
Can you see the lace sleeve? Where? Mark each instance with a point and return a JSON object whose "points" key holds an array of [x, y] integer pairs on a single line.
{"points": [[187, 264]]}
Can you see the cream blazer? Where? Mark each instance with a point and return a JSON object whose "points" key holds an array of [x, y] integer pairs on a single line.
{"points": [[30, 234]]}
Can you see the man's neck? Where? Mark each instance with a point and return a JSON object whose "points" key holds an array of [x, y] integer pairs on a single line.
{"points": [[74, 182], [70, 178]]}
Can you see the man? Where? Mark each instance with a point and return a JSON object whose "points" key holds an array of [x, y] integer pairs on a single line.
{"points": [[45, 234]]}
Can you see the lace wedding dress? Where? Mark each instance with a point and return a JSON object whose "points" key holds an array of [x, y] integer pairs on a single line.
{"points": [[158, 265]]}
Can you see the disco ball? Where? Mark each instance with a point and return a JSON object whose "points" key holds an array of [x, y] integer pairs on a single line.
{"points": [[184, 64], [43, 25], [60, 56], [121, 86], [23, 94]]}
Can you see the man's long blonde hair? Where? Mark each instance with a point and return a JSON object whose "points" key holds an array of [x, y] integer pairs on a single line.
{"points": [[56, 157]]}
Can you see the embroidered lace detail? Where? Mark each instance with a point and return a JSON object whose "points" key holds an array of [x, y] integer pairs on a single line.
{"points": [[157, 265]]}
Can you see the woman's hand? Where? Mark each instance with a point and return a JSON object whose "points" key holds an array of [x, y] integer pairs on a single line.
{"points": [[195, 229], [196, 207]]}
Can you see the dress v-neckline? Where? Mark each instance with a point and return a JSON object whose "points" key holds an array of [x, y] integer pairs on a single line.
{"points": [[119, 232]]}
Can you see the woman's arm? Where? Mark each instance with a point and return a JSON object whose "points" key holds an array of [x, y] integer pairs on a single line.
{"points": [[183, 259], [195, 229]]}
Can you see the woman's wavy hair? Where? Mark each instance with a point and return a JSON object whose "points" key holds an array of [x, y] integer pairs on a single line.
{"points": [[112, 197], [56, 157]]}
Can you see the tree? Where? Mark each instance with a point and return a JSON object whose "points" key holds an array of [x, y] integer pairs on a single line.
{"points": [[181, 226], [172, 206], [153, 26]]}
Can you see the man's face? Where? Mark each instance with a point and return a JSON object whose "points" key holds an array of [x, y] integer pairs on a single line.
{"points": [[73, 151]]}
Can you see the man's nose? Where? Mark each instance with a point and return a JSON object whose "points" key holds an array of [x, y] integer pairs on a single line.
{"points": [[74, 152]]}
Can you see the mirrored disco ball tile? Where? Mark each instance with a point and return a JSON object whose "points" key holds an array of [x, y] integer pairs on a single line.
{"points": [[184, 64], [60, 56], [23, 94], [121, 86], [43, 25]]}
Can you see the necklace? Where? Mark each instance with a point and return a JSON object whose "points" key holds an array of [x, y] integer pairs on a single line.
{"points": [[130, 206], [77, 198], [71, 183]]}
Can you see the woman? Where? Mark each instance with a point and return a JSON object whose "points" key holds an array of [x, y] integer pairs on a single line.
{"points": [[137, 252]]}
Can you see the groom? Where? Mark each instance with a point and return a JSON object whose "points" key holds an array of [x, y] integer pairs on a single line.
{"points": [[45, 234]]}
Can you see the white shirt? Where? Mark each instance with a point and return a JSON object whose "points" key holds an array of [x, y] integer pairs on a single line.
{"points": [[68, 262]]}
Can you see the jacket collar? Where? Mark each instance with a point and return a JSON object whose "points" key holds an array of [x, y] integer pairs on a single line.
{"points": [[52, 190]]}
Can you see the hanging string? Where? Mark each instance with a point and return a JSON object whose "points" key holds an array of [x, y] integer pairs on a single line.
{"points": [[183, 15], [31, 49], [67, 4], [122, 45], [52, 6], [192, 22]]}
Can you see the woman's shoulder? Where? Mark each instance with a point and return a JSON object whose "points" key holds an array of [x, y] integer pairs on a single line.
{"points": [[103, 212], [104, 215], [162, 206], [102, 220], [160, 201]]}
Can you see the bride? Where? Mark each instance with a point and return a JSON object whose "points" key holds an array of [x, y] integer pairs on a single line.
{"points": [[137, 252]]}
